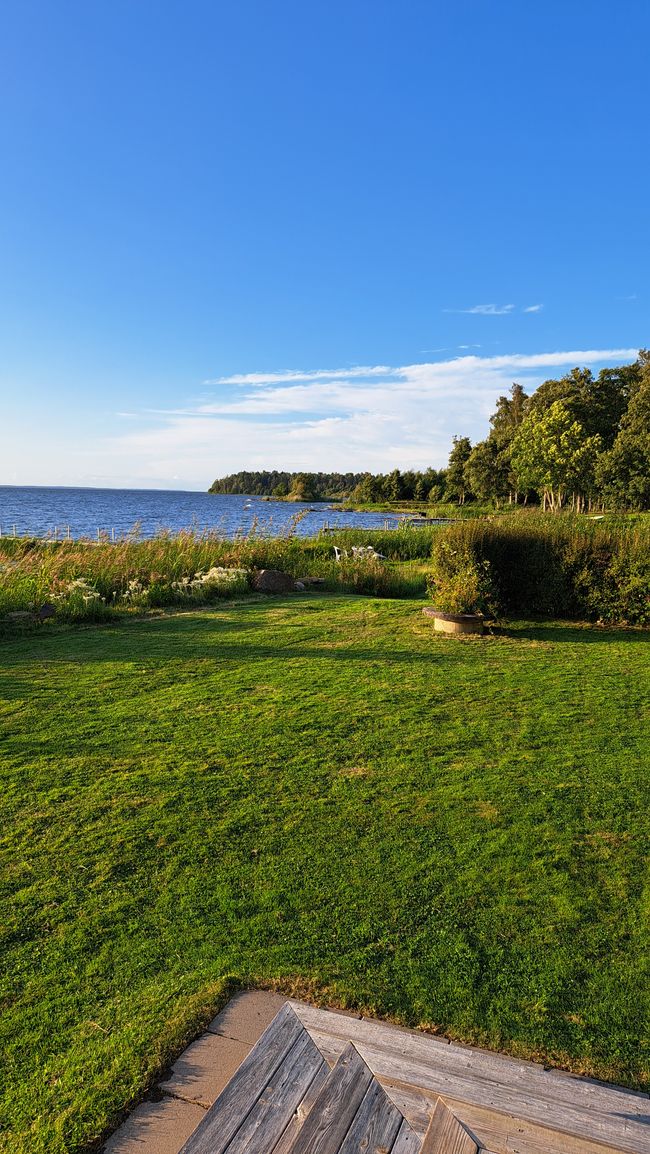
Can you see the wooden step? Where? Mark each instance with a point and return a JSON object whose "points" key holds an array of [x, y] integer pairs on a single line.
{"points": [[446, 1135], [510, 1105], [260, 1102]]}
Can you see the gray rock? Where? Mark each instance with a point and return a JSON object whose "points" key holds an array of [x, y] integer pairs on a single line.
{"points": [[299, 586], [272, 581]]}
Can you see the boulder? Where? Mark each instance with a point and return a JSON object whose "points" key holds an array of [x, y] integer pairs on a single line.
{"points": [[272, 581]]}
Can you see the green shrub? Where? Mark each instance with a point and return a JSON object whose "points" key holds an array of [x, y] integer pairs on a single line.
{"points": [[461, 582], [553, 566]]}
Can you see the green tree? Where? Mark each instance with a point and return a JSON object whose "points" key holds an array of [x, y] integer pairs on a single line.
{"points": [[487, 471], [393, 487], [457, 488], [510, 412], [552, 455], [623, 473], [597, 403], [303, 488]]}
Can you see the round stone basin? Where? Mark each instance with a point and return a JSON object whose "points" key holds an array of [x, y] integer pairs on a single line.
{"points": [[454, 622]]}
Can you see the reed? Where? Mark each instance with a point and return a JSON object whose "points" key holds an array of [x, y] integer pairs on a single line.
{"points": [[85, 580]]}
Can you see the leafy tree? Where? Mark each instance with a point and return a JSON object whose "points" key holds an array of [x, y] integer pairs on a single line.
{"points": [[457, 488], [552, 455], [598, 404], [487, 471], [393, 487], [510, 412], [304, 488], [623, 473]]}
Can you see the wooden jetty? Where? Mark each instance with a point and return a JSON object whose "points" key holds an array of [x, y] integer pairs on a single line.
{"points": [[319, 1082]]}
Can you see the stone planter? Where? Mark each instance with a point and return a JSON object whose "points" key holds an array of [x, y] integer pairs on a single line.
{"points": [[455, 622]]}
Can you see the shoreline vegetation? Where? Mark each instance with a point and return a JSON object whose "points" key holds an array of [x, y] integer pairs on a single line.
{"points": [[579, 441], [567, 566]]}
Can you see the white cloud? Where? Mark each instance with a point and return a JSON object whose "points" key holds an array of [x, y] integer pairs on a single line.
{"points": [[533, 308], [298, 375], [375, 417], [485, 310]]}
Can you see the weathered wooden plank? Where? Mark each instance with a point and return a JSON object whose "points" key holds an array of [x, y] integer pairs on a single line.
{"points": [[407, 1141], [482, 1063], [279, 1100], [506, 1134], [446, 1135], [623, 1129], [301, 1112], [375, 1125], [236, 1101], [497, 1132], [335, 1107]]}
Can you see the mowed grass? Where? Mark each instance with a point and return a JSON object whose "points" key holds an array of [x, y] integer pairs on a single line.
{"points": [[321, 791]]}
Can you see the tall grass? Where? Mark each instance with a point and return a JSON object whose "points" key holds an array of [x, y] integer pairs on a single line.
{"points": [[85, 580], [406, 543], [540, 564]]}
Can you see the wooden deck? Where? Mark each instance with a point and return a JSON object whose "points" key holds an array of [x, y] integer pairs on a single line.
{"points": [[319, 1082]]}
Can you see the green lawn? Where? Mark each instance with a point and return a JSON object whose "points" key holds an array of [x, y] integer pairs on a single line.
{"points": [[320, 790]]}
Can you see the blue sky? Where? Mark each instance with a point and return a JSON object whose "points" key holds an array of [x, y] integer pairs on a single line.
{"points": [[409, 205]]}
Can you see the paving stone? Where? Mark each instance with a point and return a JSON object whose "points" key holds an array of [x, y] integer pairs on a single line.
{"points": [[204, 1068], [247, 1015], [156, 1128]]}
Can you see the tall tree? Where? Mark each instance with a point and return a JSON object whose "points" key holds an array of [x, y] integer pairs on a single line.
{"points": [[505, 422], [552, 454], [597, 403], [457, 488], [487, 471], [509, 414], [623, 473]]}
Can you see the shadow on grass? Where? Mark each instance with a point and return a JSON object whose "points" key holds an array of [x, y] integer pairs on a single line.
{"points": [[219, 633], [572, 633]]}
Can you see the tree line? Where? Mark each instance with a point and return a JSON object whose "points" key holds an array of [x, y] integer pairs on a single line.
{"points": [[277, 483], [579, 440]]}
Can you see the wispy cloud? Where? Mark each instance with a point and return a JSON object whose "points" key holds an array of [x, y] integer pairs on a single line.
{"points": [[374, 417], [485, 310], [493, 311], [299, 375]]}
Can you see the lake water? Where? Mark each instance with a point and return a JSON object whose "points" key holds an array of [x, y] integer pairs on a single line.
{"points": [[44, 512]]}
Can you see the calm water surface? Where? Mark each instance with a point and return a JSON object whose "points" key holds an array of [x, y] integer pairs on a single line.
{"points": [[41, 512]]}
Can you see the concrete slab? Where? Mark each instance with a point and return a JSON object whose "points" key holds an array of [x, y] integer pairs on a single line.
{"points": [[204, 1068], [156, 1128], [247, 1015]]}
